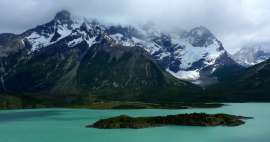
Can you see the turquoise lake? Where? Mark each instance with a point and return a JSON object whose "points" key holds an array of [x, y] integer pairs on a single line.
{"points": [[68, 125]]}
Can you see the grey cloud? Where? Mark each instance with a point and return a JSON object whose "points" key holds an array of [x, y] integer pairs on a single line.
{"points": [[234, 22]]}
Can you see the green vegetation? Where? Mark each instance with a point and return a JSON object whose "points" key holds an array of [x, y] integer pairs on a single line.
{"points": [[141, 105], [109, 72], [91, 102], [10, 102], [248, 85]]}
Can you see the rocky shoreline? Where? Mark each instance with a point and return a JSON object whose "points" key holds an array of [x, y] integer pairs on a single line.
{"points": [[194, 119]]}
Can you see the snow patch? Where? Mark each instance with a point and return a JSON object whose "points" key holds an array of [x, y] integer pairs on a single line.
{"points": [[163, 55], [119, 39], [63, 31], [91, 41], [38, 41], [75, 42], [186, 75], [190, 54]]}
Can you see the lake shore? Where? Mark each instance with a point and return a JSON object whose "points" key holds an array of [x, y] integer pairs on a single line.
{"points": [[69, 125], [35, 102], [142, 105]]}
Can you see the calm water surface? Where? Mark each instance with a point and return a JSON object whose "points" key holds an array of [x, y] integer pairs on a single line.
{"points": [[68, 125]]}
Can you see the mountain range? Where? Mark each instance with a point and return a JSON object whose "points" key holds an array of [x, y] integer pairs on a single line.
{"points": [[74, 56], [70, 55], [252, 55]]}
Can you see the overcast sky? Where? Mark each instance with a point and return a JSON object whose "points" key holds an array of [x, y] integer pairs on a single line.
{"points": [[235, 22]]}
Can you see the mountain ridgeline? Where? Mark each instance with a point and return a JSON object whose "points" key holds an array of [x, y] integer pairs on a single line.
{"points": [[251, 84], [76, 57], [252, 55], [64, 57]]}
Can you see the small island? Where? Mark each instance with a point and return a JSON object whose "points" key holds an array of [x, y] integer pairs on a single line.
{"points": [[194, 119]]}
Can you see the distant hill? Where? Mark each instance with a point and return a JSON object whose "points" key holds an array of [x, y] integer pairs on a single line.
{"points": [[252, 55]]}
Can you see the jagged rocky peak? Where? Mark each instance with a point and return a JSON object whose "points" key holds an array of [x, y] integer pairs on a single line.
{"points": [[62, 25], [183, 54], [63, 16], [11, 44], [200, 37], [252, 54]]}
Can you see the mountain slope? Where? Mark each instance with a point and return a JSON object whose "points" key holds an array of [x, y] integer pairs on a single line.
{"points": [[76, 57], [194, 55], [251, 84], [256, 78]]}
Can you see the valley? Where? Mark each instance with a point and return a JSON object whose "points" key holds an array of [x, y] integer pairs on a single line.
{"points": [[134, 71]]}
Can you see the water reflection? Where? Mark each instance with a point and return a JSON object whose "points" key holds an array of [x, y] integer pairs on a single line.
{"points": [[17, 116]]}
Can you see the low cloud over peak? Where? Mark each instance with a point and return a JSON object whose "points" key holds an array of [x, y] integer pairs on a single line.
{"points": [[234, 22]]}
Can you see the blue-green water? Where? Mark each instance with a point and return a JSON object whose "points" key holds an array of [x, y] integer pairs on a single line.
{"points": [[68, 125]]}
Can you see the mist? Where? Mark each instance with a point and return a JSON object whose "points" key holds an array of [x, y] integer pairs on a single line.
{"points": [[234, 22]]}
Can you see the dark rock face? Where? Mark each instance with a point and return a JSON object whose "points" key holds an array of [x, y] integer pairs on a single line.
{"points": [[200, 37], [195, 119], [105, 69], [165, 49], [12, 50], [63, 15], [70, 56]]}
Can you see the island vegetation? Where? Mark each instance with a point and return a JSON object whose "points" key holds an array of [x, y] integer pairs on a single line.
{"points": [[194, 119]]}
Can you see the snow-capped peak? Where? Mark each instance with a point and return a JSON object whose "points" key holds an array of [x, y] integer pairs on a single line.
{"points": [[63, 25], [252, 55], [184, 55], [199, 37], [63, 16]]}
